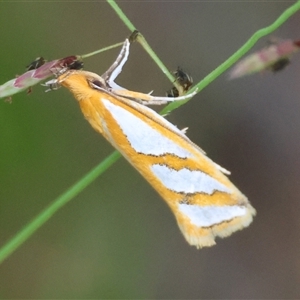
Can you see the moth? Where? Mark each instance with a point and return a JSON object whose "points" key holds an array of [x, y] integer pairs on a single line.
{"points": [[204, 201]]}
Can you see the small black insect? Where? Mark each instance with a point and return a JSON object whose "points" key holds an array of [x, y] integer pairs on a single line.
{"points": [[183, 79], [280, 64], [39, 61]]}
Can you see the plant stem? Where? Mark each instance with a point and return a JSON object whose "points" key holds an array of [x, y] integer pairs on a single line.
{"points": [[237, 55], [58, 203], [142, 41], [101, 50]]}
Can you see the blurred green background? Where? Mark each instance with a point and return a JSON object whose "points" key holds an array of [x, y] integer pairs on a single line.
{"points": [[118, 239]]}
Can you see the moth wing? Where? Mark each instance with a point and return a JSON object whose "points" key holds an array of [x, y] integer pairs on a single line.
{"points": [[205, 203]]}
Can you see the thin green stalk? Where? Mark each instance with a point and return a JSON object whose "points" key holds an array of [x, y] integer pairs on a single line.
{"points": [[101, 50], [58, 203], [156, 59], [121, 15], [237, 55], [45, 215], [142, 41]]}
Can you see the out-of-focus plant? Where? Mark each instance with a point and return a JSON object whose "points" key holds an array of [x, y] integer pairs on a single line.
{"points": [[274, 58]]}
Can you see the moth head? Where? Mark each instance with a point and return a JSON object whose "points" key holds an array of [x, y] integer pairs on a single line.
{"points": [[81, 83]]}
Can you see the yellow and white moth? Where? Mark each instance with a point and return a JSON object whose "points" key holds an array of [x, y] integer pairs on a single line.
{"points": [[205, 203]]}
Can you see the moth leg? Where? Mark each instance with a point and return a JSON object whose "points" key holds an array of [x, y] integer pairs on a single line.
{"points": [[147, 99], [115, 69]]}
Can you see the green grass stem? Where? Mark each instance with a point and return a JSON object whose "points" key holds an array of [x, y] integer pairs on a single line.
{"points": [[25, 233]]}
